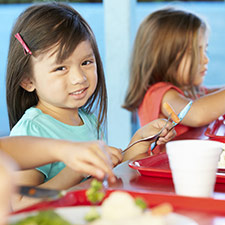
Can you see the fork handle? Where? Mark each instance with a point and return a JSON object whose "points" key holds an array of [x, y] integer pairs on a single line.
{"points": [[154, 144], [156, 136], [134, 144], [143, 139]]}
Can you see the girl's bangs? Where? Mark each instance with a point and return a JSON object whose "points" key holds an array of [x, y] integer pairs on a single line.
{"points": [[69, 38]]}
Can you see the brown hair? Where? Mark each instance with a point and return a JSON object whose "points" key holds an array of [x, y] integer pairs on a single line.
{"points": [[43, 26], [162, 40]]}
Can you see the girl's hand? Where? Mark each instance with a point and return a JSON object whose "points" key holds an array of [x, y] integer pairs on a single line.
{"points": [[152, 128], [167, 133], [115, 155], [93, 158]]}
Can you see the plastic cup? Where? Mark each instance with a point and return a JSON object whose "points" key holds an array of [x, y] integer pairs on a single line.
{"points": [[194, 164]]}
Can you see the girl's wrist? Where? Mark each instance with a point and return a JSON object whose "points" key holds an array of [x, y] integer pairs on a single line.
{"points": [[56, 150]]}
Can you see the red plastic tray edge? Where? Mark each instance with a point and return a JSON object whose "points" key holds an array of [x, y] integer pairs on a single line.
{"points": [[166, 173], [212, 129], [210, 205]]}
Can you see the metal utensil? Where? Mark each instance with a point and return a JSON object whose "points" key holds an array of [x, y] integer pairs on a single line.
{"points": [[105, 184], [181, 116], [183, 113], [35, 192], [149, 138]]}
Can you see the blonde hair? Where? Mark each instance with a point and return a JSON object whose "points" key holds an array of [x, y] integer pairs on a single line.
{"points": [[162, 40]]}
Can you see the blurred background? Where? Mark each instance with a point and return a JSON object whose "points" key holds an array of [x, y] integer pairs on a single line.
{"points": [[115, 23]]}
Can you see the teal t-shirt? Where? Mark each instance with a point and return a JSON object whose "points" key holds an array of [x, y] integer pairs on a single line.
{"points": [[36, 123]]}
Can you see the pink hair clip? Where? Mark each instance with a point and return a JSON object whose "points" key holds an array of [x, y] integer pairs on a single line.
{"points": [[26, 49]]}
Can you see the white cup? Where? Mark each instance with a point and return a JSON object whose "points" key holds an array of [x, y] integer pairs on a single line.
{"points": [[194, 164]]}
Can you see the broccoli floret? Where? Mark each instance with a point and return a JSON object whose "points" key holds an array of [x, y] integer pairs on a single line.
{"points": [[94, 193], [141, 203], [43, 218], [93, 214]]}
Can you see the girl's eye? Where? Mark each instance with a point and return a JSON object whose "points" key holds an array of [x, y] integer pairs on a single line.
{"points": [[61, 68], [87, 62]]}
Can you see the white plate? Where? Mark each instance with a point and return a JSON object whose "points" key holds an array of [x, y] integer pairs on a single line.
{"points": [[75, 215]]}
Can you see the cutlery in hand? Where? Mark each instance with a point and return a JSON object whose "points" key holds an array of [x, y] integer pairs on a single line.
{"points": [[35, 192], [180, 116], [149, 138], [183, 113]]}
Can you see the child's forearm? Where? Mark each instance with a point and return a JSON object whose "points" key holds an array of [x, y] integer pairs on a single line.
{"points": [[136, 152], [85, 157], [138, 149], [30, 152], [207, 109], [203, 111], [65, 179]]}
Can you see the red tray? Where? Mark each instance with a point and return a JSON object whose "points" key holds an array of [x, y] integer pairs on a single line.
{"points": [[78, 198], [216, 129], [158, 166]]}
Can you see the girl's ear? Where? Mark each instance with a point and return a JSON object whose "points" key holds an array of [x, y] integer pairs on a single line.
{"points": [[27, 84]]}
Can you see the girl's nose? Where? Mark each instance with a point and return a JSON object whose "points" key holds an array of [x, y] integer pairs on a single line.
{"points": [[206, 59], [77, 76]]}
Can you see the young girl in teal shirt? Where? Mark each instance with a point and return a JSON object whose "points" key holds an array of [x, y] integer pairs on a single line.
{"points": [[55, 84]]}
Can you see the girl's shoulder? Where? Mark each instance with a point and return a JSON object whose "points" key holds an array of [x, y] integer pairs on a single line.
{"points": [[90, 122], [36, 123], [29, 124], [164, 86], [158, 90]]}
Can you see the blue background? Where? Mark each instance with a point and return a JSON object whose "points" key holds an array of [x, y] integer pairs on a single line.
{"points": [[213, 13]]}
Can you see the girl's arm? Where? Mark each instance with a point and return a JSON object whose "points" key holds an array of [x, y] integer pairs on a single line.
{"points": [[150, 129], [65, 179], [211, 90], [92, 158], [85, 157], [203, 110], [7, 186]]}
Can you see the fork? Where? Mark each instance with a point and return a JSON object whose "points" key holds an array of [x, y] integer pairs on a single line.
{"points": [[181, 116], [149, 138], [105, 184]]}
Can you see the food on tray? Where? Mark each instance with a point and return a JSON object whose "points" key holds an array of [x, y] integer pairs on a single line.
{"points": [[162, 209], [141, 203], [170, 110], [95, 193], [92, 215], [43, 218], [119, 208], [120, 205]]}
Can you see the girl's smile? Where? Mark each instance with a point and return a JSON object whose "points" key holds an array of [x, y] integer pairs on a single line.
{"points": [[203, 72], [79, 94]]}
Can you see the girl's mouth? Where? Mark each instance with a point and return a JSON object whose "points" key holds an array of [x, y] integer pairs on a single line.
{"points": [[203, 72], [79, 93]]}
